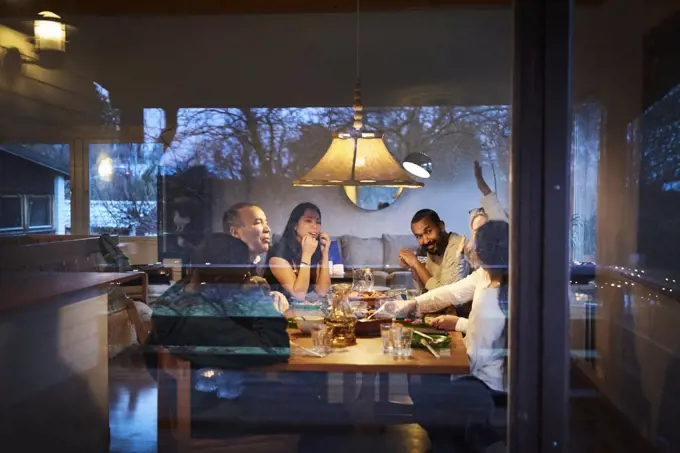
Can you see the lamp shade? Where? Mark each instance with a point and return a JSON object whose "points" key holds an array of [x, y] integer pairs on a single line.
{"points": [[357, 159], [418, 164]]}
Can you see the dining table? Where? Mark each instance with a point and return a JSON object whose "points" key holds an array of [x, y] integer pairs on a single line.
{"points": [[367, 358]]}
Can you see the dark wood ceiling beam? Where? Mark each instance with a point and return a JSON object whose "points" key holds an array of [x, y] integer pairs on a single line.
{"points": [[27, 8]]}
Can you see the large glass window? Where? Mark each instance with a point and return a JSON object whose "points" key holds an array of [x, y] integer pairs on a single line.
{"points": [[123, 188], [167, 138], [626, 217]]}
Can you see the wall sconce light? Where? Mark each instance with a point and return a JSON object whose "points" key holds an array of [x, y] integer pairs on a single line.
{"points": [[49, 42], [49, 39], [49, 33]]}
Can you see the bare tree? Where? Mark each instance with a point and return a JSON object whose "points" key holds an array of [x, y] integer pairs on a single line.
{"points": [[246, 145], [127, 199]]}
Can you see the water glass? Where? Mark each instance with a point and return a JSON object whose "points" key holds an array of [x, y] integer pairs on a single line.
{"points": [[321, 339], [385, 334], [395, 338], [399, 293], [401, 341]]}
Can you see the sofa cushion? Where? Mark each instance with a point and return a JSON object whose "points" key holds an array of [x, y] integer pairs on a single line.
{"points": [[361, 252], [392, 243]]}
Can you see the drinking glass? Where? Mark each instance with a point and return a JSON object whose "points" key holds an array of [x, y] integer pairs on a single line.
{"points": [[385, 334], [398, 293], [395, 338], [321, 339], [404, 349]]}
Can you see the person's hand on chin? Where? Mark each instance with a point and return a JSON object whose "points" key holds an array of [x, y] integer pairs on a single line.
{"points": [[408, 257]]}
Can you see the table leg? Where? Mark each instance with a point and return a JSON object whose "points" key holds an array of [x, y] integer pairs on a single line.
{"points": [[348, 387], [384, 387]]}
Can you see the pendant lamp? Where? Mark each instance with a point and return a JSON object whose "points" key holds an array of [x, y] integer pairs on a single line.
{"points": [[357, 157]]}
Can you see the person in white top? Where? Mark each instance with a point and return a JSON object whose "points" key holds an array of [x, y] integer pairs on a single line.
{"points": [[491, 209], [485, 342]]}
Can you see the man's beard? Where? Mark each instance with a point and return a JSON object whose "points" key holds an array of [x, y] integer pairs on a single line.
{"points": [[433, 249]]}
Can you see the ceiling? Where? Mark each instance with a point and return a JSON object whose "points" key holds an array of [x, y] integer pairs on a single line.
{"points": [[216, 53], [459, 56], [181, 7]]}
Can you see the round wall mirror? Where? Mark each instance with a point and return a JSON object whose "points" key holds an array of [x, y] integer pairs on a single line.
{"points": [[373, 198]]}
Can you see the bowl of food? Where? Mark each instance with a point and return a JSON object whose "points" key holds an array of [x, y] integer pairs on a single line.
{"points": [[369, 327], [307, 309], [307, 323]]}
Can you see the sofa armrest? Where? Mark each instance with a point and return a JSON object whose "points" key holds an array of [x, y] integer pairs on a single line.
{"points": [[380, 278]]}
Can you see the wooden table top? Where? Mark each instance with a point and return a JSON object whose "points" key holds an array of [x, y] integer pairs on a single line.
{"points": [[367, 357]]}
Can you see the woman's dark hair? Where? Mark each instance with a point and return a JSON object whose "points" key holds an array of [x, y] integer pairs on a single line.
{"points": [[493, 250], [289, 237]]}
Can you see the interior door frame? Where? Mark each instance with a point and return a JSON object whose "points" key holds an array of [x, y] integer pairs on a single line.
{"points": [[80, 167], [540, 188]]}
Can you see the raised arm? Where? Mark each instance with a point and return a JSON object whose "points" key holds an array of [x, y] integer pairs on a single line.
{"points": [[493, 208], [490, 203]]}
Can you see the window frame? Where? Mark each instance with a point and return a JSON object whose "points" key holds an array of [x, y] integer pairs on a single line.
{"points": [[19, 229], [25, 206], [50, 213]]}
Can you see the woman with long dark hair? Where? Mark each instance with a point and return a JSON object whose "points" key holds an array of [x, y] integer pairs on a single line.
{"points": [[298, 263], [458, 411]]}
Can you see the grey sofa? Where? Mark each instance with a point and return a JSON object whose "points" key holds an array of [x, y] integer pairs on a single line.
{"points": [[380, 254]]}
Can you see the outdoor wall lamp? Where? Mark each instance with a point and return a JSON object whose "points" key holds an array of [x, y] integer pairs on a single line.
{"points": [[49, 33], [49, 45]]}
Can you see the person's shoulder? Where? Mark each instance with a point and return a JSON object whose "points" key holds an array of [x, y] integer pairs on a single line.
{"points": [[479, 276], [278, 250], [176, 301], [456, 243]]}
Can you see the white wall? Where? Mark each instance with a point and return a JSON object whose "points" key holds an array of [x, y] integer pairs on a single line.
{"points": [[452, 199]]}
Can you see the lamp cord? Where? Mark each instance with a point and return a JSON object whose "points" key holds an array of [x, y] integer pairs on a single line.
{"points": [[358, 36]]}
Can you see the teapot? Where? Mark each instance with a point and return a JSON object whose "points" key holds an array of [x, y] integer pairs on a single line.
{"points": [[341, 320]]}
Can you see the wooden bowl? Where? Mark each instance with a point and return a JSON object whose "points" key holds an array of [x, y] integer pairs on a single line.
{"points": [[369, 328]]}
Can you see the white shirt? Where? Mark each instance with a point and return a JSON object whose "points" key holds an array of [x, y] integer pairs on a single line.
{"points": [[493, 208], [485, 336]]}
